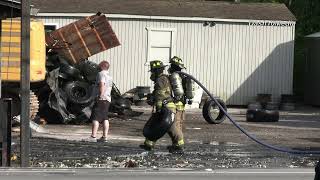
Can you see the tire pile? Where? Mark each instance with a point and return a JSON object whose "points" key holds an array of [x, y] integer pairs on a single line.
{"points": [[69, 93], [263, 110], [266, 110]]}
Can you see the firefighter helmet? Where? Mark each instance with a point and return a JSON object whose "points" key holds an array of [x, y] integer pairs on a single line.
{"points": [[176, 61], [156, 64]]}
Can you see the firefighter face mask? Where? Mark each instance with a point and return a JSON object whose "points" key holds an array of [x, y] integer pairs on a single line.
{"points": [[155, 73], [153, 77]]}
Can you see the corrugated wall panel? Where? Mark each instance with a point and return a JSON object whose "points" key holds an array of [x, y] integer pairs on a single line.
{"points": [[235, 61]]}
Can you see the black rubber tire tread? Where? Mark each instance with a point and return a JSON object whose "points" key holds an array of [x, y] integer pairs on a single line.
{"points": [[255, 105], [288, 98], [262, 115], [89, 70], [69, 71], [70, 90], [143, 89], [158, 125], [207, 115]]}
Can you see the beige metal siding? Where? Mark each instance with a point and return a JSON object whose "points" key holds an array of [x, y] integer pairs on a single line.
{"points": [[235, 61]]}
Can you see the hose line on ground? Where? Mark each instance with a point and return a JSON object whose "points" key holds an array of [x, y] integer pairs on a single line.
{"points": [[286, 150]]}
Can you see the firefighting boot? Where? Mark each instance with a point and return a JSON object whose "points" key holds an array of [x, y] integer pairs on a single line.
{"points": [[175, 149], [147, 145]]}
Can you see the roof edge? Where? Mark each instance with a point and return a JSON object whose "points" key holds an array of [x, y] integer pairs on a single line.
{"points": [[126, 16]]}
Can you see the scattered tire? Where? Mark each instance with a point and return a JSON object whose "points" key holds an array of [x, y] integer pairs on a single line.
{"points": [[255, 105], [78, 92], [264, 99], [259, 115], [158, 124], [142, 91], [119, 105], [211, 112], [272, 106]]}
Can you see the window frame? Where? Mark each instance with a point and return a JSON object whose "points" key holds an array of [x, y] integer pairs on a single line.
{"points": [[51, 24], [172, 44]]}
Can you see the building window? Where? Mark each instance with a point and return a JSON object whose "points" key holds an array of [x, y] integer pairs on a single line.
{"points": [[161, 44], [50, 27]]}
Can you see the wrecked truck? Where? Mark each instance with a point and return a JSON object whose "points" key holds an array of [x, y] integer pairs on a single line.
{"points": [[68, 96], [71, 76], [62, 78]]}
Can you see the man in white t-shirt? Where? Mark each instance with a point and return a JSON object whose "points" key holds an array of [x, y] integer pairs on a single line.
{"points": [[101, 107]]}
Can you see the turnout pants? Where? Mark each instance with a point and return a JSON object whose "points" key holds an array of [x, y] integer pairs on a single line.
{"points": [[175, 132]]}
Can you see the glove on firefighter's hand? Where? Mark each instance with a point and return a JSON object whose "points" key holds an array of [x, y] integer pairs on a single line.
{"points": [[150, 99]]}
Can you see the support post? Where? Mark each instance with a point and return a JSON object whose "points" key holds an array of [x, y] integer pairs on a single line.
{"points": [[25, 83]]}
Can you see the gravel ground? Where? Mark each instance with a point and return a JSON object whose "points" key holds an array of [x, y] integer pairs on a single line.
{"points": [[207, 146]]}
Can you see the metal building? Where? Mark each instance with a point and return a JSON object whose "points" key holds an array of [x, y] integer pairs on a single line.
{"points": [[236, 49]]}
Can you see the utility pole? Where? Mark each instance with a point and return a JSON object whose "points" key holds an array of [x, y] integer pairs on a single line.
{"points": [[25, 84]]}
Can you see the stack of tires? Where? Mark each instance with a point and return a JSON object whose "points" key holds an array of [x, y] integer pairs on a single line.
{"points": [[141, 95], [288, 102], [70, 93], [263, 110]]}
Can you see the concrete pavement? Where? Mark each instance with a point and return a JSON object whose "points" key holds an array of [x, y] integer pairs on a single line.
{"points": [[157, 174]]}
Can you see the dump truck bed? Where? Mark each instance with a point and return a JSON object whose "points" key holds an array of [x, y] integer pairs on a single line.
{"points": [[84, 38]]}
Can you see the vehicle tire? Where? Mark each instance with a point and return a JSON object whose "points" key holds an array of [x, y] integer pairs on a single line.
{"points": [[288, 98], [263, 99], [272, 106], [272, 116], [143, 89], [89, 70], [262, 115], [211, 112], [69, 71], [158, 124], [123, 103], [255, 105], [79, 92]]}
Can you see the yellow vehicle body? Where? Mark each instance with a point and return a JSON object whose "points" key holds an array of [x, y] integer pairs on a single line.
{"points": [[11, 52]]}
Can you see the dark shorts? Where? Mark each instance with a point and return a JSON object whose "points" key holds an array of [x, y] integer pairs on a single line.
{"points": [[100, 111]]}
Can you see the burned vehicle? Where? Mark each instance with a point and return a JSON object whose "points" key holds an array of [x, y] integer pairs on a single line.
{"points": [[68, 96]]}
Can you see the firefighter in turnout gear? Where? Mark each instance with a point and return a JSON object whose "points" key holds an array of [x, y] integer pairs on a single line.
{"points": [[179, 87], [163, 93]]}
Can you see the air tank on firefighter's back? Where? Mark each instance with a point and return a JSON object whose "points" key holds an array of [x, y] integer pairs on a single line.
{"points": [[176, 83], [189, 88]]}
